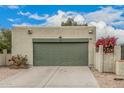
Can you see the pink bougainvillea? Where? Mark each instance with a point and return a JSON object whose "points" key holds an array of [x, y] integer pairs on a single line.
{"points": [[108, 44]]}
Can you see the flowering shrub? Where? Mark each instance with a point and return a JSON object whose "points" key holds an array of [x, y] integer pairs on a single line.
{"points": [[108, 44], [18, 61]]}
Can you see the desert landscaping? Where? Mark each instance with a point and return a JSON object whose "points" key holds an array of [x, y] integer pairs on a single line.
{"points": [[106, 80], [6, 72]]}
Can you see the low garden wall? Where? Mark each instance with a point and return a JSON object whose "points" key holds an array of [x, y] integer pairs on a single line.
{"points": [[106, 62], [4, 58], [120, 67]]}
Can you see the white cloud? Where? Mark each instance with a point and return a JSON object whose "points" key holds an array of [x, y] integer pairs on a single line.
{"points": [[101, 28], [104, 30], [100, 18], [27, 24], [103, 19], [107, 15], [13, 6], [10, 6], [118, 23], [79, 19], [13, 20], [62, 16], [38, 17], [23, 24], [56, 20], [24, 13], [33, 15]]}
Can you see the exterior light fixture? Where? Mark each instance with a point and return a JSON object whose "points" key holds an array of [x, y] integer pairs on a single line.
{"points": [[90, 32], [60, 37], [90, 38], [29, 31]]}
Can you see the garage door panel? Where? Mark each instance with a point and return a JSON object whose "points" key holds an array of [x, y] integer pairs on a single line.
{"points": [[60, 54]]}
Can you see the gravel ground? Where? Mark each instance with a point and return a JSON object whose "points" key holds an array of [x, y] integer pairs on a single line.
{"points": [[106, 80], [6, 72]]}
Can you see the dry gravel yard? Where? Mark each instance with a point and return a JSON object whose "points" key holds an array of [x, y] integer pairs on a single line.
{"points": [[106, 80], [5, 72]]}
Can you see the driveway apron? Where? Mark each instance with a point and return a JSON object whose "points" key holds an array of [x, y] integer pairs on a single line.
{"points": [[52, 77]]}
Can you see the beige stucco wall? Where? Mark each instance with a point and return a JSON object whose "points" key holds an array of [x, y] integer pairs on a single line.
{"points": [[107, 62], [22, 41], [4, 59]]}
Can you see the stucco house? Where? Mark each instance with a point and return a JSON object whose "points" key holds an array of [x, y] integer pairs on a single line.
{"points": [[55, 46]]}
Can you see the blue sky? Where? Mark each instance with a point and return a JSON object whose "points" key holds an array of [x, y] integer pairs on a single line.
{"points": [[7, 12], [39, 15], [109, 20]]}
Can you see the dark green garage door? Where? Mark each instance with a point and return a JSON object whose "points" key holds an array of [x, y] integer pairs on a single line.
{"points": [[60, 54]]}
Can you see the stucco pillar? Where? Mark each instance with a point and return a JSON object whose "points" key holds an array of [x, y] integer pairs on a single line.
{"points": [[100, 59], [5, 54], [117, 56], [91, 53]]}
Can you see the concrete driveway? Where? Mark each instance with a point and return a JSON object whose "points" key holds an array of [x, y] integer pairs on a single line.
{"points": [[52, 76]]}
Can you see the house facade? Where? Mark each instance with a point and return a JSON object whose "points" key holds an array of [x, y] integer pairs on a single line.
{"points": [[55, 46]]}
